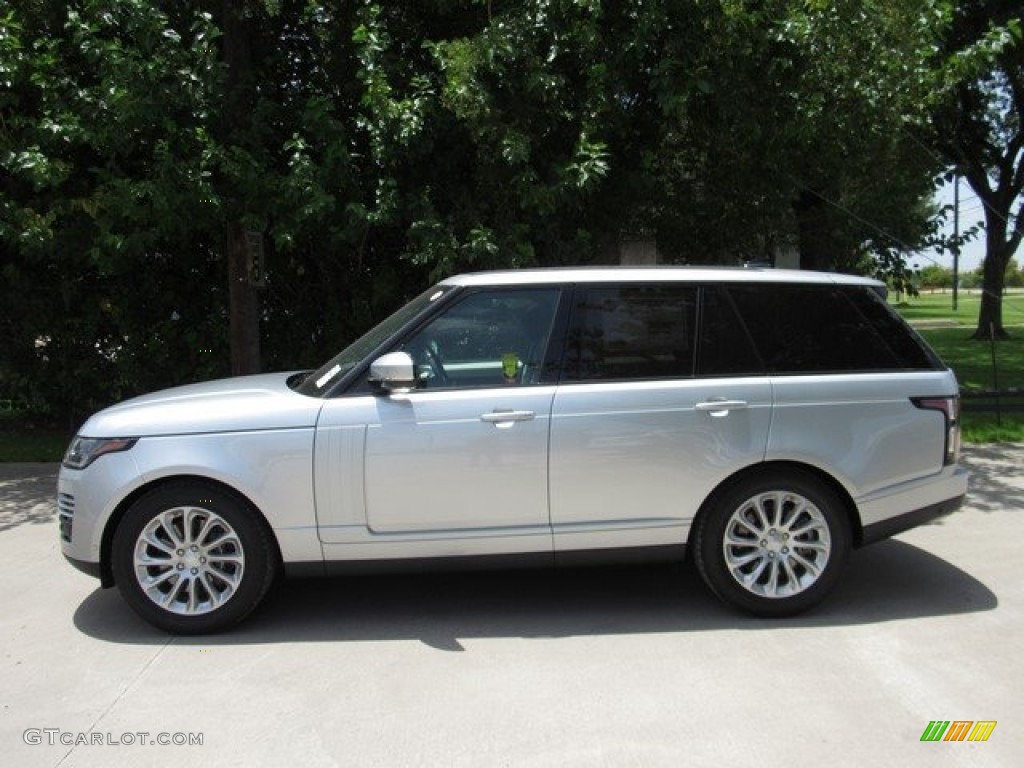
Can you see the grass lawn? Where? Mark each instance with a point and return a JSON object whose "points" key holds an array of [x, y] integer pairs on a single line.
{"points": [[985, 428], [949, 334], [972, 360], [28, 444], [939, 307]]}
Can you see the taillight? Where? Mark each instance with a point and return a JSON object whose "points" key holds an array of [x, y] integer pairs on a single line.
{"points": [[950, 408]]}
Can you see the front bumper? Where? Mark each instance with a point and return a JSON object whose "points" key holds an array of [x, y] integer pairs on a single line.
{"points": [[90, 569], [86, 498]]}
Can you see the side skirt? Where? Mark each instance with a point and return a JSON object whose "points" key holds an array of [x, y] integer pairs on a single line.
{"points": [[528, 560]]}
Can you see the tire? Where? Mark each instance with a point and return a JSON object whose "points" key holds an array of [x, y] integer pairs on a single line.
{"points": [[774, 543], [191, 558]]}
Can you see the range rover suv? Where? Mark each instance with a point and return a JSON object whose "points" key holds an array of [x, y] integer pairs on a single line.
{"points": [[764, 423]]}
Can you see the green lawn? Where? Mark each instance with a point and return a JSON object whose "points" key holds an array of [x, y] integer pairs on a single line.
{"points": [[939, 307], [986, 428], [949, 334], [973, 360], [26, 444]]}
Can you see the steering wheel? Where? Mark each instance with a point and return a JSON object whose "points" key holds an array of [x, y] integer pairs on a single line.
{"points": [[432, 356]]}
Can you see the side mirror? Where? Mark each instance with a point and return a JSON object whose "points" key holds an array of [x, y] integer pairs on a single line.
{"points": [[393, 372]]}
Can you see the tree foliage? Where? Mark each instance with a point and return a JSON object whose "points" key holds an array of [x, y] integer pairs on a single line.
{"points": [[978, 125], [371, 147], [102, 215]]}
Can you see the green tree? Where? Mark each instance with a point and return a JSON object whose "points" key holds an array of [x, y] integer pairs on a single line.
{"points": [[722, 131], [104, 168], [1014, 275], [149, 149], [936, 276], [128, 172], [978, 125]]}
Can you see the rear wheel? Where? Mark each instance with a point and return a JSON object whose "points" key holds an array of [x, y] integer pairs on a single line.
{"points": [[773, 544], [190, 558]]}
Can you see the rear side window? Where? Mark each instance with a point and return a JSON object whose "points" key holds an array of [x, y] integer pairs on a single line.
{"points": [[628, 332], [903, 342], [821, 328]]}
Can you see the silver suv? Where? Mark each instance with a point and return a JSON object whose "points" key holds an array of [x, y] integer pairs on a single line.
{"points": [[766, 422]]}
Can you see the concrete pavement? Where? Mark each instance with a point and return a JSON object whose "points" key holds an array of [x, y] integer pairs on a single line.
{"points": [[608, 667]]}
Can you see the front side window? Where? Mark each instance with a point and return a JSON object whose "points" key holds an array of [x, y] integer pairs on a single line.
{"points": [[320, 381], [489, 338], [632, 332]]}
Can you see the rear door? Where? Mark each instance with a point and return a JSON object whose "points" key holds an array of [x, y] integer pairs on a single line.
{"points": [[652, 414]]}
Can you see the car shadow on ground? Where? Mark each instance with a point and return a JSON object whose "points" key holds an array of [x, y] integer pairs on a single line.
{"points": [[891, 580]]}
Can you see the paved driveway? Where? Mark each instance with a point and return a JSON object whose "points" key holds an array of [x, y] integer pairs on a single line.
{"points": [[609, 667]]}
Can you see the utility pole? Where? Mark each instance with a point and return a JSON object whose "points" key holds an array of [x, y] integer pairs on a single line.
{"points": [[956, 238]]}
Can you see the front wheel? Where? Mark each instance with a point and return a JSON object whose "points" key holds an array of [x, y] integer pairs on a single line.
{"points": [[773, 544], [191, 559]]}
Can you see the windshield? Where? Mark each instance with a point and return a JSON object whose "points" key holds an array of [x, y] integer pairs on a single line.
{"points": [[320, 380]]}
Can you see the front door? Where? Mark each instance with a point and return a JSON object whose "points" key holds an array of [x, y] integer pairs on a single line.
{"points": [[465, 455]]}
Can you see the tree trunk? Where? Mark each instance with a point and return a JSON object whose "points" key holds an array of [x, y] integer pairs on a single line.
{"points": [[244, 305], [990, 318], [997, 257], [243, 301], [817, 250]]}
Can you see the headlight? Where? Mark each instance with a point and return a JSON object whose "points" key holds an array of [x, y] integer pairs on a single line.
{"points": [[83, 451]]}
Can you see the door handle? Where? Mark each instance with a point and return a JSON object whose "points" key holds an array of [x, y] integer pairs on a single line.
{"points": [[503, 418], [720, 407]]}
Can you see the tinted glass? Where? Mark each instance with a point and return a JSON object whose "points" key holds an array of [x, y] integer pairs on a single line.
{"points": [[811, 328], [908, 349], [725, 348], [490, 338], [632, 332]]}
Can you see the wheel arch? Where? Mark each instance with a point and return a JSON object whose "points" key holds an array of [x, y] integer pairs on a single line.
{"points": [[107, 540], [770, 468]]}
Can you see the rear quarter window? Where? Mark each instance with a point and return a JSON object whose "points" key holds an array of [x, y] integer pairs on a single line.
{"points": [[824, 328], [908, 348]]}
